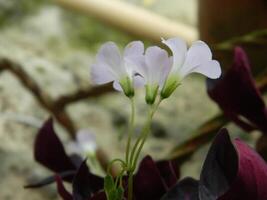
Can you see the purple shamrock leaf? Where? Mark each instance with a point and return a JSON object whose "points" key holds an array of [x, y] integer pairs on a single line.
{"points": [[84, 185], [187, 189], [50, 152], [237, 95], [152, 180], [232, 171]]}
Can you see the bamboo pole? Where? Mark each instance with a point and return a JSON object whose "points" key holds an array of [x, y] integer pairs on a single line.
{"points": [[132, 19]]}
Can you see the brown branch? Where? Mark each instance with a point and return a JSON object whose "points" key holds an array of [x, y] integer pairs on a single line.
{"points": [[206, 131], [56, 108], [43, 98], [82, 94]]}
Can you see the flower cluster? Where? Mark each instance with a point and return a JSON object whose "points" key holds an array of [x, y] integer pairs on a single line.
{"points": [[153, 67]]}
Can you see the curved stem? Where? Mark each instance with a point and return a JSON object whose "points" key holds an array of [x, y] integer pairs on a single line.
{"points": [[130, 186], [131, 130], [113, 161], [143, 136]]}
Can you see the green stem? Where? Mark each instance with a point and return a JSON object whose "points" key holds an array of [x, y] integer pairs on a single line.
{"points": [[113, 161], [143, 136], [130, 186], [142, 139], [131, 130]]}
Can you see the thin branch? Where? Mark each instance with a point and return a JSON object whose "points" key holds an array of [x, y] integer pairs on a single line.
{"points": [[42, 97], [258, 38], [206, 132], [83, 94], [56, 108], [201, 136]]}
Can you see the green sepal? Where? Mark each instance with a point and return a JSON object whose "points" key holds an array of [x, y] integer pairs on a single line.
{"points": [[151, 93], [170, 85], [112, 192], [127, 86], [108, 184]]}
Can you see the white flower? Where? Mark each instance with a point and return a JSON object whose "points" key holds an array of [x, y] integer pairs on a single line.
{"points": [[154, 67], [111, 66], [198, 58], [85, 143]]}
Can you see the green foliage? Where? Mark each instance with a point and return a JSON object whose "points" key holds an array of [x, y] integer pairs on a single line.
{"points": [[112, 192]]}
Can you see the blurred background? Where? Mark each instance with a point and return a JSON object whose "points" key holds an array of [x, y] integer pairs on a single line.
{"points": [[49, 47]]}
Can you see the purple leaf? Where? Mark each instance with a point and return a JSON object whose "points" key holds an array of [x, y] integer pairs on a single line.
{"points": [[85, 183], [67, 175], [251, 179], [149, 183], [49, 151], [62, 190], [237, 95], [232, 171], [99, 196], [186, 189], [168, 171], [219, 169]]}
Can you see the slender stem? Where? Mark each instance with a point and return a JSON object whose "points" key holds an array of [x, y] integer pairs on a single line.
{"points": [[113, 161], [143, 136], [138, 141], [142, 140], [130, 186], [131, 130]]}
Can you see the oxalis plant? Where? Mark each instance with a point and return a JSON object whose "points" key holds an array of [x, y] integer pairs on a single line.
{"points": [[160, 75], [231, 171]]}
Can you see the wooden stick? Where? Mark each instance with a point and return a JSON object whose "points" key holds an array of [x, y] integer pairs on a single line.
{"points": [[132, 19]]}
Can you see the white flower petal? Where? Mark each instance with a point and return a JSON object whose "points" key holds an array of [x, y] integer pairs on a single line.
{"points": [[157, 61], [209, 68], [139, 65], [86, 140], [117, 86], [179, 49], [100, 73], [138, 81], [198, 53], [135, 48], [199, 59], [110, 55], [165, 71]]}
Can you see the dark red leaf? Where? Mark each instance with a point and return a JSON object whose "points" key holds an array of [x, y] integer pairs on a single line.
{"points": [[49, 151], [62, 190], [99, 196], [237, 95], [219, 169], [232, 171], [251, 179], [148, 183], [168, 171], [85, 183], [67, 175], [186, 189]]}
